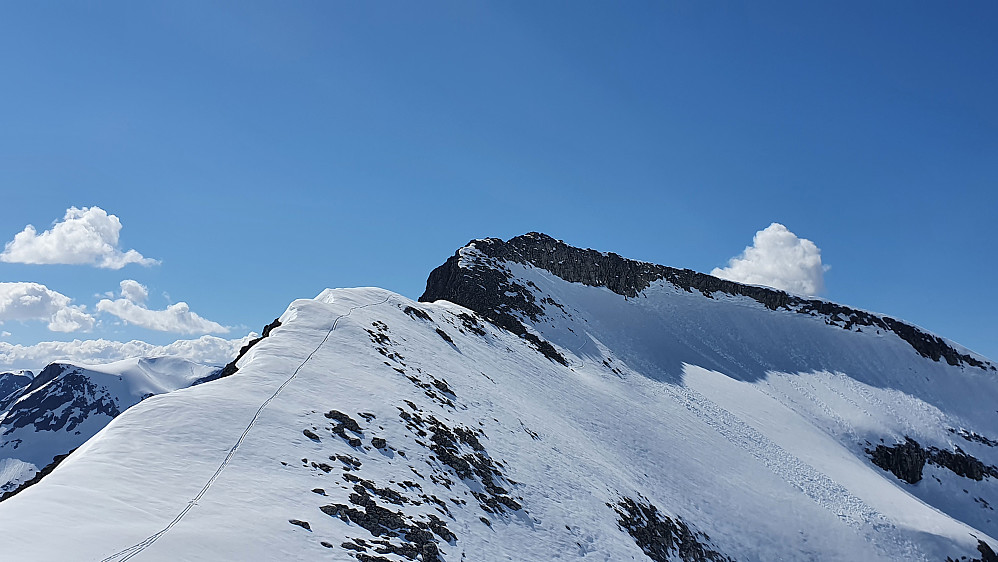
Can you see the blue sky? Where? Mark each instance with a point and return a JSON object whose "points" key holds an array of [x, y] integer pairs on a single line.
{"points": [[264, 151]]}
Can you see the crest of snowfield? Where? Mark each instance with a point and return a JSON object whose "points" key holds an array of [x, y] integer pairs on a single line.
{"points": [[476, 278]]}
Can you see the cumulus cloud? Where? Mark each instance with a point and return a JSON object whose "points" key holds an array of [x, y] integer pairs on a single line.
{"points": [[206, 349], [87, 236], [134, 291], [33, 301], [176, 318], [778, 258]]}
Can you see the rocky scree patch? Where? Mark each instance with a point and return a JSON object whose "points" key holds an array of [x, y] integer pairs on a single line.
{"points": [[907, 460], [367, 505], [663, 538]]}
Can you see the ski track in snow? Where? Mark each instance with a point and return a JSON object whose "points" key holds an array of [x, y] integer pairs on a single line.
{"points": [[135, 549], [807, 395], [578, 352], [831, 496]]}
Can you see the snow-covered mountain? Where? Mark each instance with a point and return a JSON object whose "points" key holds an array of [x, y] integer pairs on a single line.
{"points": [[46, 417], [546, 402], [11, 385]]}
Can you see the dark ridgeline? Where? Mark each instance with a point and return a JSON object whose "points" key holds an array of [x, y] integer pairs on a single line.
{"points": [[491, 290]]}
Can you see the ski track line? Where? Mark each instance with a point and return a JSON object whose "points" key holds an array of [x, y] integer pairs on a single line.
{"points": [[131, 551], [825, 492], [578, 352], [804, 386]]}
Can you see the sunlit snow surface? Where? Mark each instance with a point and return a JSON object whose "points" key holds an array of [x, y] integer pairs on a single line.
{"points": [[75, 404], [747, 423]]}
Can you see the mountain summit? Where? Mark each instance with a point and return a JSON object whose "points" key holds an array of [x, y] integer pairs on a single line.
{"points": [[543, 402], [475, 277]]}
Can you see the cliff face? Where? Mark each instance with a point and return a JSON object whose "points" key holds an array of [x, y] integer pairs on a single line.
{"points": [[480, 282]]}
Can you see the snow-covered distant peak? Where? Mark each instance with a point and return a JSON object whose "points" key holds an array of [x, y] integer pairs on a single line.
{"points": [[12, 380], [154, 374], [66, 404], [11, 385]]}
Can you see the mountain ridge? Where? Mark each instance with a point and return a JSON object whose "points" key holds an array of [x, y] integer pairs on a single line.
{"points": [[667, 425], [629, 277]]}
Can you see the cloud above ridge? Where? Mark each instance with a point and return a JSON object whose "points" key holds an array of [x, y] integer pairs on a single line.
{"points": [[211, 350], [87, 236], [25, 302], [778, 258], [176, 318]]}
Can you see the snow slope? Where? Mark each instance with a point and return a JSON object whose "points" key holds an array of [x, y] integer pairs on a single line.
{"points": [[67, 404], [666, 424]]}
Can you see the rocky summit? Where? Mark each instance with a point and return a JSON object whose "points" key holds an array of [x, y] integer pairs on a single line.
{"points": [[538, 402]]}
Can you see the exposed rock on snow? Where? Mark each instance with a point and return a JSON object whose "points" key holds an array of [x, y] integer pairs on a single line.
{"points": [[486, 289], [906, 461], [37, 477], [231, 368], [663, 538], [570, 405], [12, 385]]}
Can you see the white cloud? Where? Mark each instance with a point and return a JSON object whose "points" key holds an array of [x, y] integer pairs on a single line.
{"points": [[33, 301], [134, 291], [206, 349], [778, 258], [5, 334], [176, 318], [87, 236]]}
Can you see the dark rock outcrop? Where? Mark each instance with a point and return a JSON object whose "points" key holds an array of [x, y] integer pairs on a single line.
{"points": [[904, 460], [962, 464], [973, 437], [418, 537], [907, 460], [62, 405], [987, 554], [490, 290], [417, 313], [662, 538], [459, 449], [231, 368], [49, 373], [38, 476]]}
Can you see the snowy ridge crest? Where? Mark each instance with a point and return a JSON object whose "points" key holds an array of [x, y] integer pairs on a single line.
{"points": [[469, 278]]}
